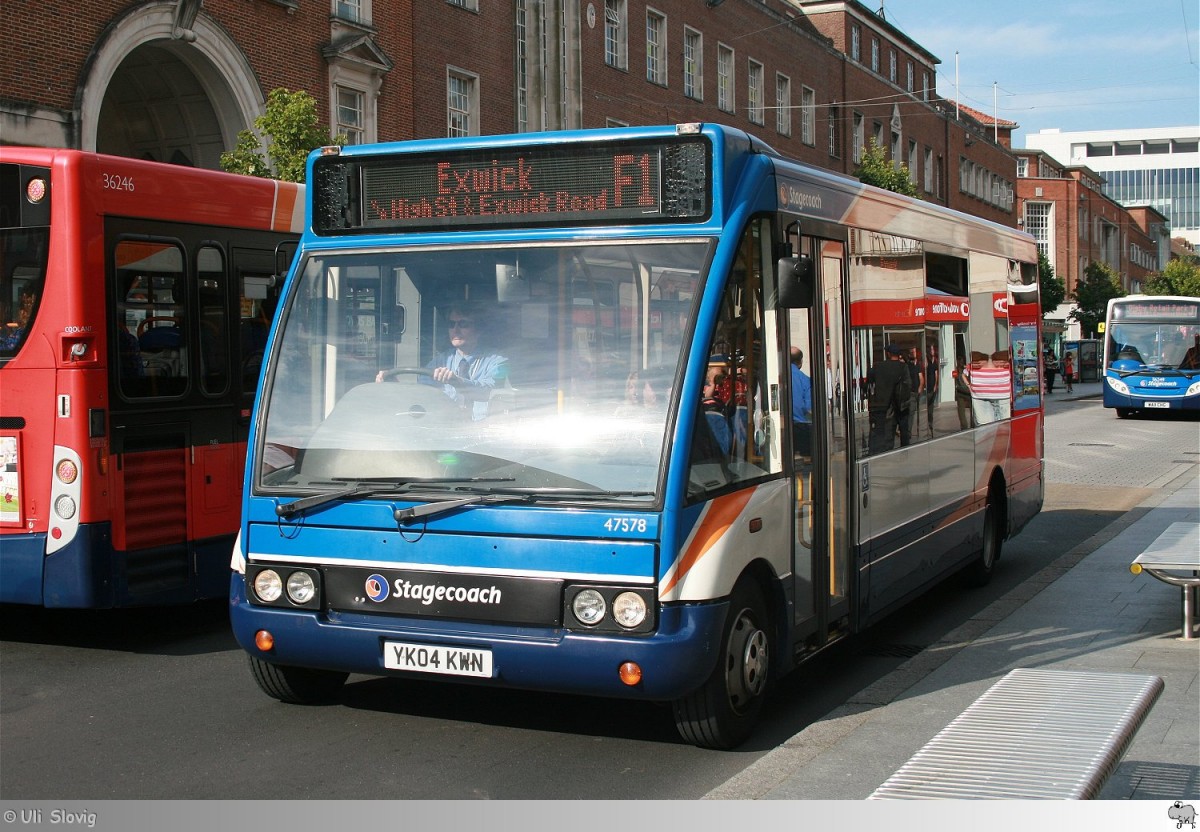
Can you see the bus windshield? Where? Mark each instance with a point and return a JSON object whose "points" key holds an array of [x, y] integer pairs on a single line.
{"points": [[546, 367], [23, 253], [1134, 347]]}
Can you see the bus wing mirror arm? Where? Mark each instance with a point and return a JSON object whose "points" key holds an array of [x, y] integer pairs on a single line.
{"points": [[796, 279]]}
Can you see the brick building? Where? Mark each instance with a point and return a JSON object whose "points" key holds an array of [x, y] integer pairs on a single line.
{"points": [[175, 80]]}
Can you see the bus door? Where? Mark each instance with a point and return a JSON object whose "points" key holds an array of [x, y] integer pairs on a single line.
{"points": [[819, 451]]}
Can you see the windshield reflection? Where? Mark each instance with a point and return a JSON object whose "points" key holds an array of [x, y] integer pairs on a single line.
{"points": [[547, 367]]}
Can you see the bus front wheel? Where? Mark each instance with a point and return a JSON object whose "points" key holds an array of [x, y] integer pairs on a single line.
{"points": [[724, 710], [297, 685], [1123, 412]]}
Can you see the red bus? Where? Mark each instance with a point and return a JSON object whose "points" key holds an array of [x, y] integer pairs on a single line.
{"points": [[135, 301]]}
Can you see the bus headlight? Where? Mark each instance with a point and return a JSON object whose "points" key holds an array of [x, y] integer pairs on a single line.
{"points": [[300, 587], [1193, 389], [588, 606], [1118, 385], [267, 585], [629, 609]]}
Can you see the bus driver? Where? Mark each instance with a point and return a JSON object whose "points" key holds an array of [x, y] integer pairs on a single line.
{"points": [[467, 373]]}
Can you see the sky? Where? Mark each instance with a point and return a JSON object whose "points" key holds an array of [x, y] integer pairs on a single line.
{"points": [[1066, 64]]}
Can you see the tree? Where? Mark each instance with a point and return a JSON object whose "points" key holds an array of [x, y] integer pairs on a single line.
{"points": [[290, 120], [1092, 294], [875, 169], [1180, 277], [1052, 289]]}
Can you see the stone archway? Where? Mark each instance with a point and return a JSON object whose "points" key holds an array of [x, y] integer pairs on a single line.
{"points": [[158, 91]]}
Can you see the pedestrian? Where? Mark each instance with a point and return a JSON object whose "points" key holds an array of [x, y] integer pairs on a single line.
{"points": [[962, 394], [1068, 371], [1050, 367], [890, 388]]}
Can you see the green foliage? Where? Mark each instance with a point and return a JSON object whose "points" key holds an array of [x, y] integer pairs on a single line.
{"points": [[1052, 289], [1092, 294], [1180, 277], [290, 122], [875, 169]]}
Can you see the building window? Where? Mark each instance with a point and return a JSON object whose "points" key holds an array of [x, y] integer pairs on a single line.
{"points": [[925, 90], [462, 104], [1022, 167], [877, 132], [892, 65], [615, 41], [875, 54], [725, 78], [615, 122], [835, 138], [754, 92], [473, 5], [897, 155], [859, 137], [350, 114], [928, 170], [965, 175], [912, 161], [1038, 217], [656, 47], [351, 10], [693, 64], [856, 43], [783, 105], [912, 79], [808, 116]]}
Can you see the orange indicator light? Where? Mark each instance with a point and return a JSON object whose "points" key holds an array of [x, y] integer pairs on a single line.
{"points": [[630, 673], [264, 641]]}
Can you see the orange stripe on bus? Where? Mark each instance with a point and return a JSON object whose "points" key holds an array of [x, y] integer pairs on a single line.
{"points": [[716, 521], [286, 194]]}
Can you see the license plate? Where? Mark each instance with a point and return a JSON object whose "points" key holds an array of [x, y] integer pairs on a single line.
{"points": [[1166, 405], [433, 658]]}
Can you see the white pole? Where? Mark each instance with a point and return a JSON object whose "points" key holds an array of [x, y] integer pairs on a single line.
{"points": [[995, 115], [956, 85]]}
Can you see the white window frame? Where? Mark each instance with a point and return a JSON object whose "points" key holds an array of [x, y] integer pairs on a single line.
{"points": [[859, 136], [875, 55], [693, 63], [755, 92], [892, 73], [835, 133], [354, 131], [783, 104], [469, 5], [355, 11], [726, 78], [808, 116], [912, 78], [656, 47], [351, 77], [616, 34], [928, 170], [1040, 224], [468, 113], [856, 43]]}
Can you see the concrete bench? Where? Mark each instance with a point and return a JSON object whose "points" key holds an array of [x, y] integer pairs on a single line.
{"points": [[1050, 734], [1174, 558]]}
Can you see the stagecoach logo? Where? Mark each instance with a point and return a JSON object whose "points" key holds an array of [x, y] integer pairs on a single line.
{"points": [[1156, 382], [377, 588], [796, 199]]}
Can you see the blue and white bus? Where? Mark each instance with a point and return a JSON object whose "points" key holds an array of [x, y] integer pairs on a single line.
{"points": [[614, 412], [1152, 354]]}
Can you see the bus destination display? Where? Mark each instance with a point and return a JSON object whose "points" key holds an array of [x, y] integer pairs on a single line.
{"points": [[1155, 310], [557, 185]]}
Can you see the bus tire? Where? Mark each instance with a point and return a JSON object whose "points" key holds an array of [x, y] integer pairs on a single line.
{"points": [[1123, 412], [980, 572], [723, 711], [297, 685]]}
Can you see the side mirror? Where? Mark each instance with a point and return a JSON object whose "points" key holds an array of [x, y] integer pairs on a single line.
{"points": [[796, 278]]}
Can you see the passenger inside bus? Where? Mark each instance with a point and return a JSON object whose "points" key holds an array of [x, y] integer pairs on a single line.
{"points": [[15, 330]]}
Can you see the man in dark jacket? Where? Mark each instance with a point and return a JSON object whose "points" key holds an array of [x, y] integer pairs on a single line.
{"points": [[889, 401]]}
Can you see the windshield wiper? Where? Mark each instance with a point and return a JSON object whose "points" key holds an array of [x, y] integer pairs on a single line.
{"points": [[369, 487], [405, 515]]}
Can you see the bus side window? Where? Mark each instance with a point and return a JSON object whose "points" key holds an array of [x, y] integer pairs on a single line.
{"points": [[152, 318]]}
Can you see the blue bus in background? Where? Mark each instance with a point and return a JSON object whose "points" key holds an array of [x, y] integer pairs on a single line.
{"points": [[1152, 354], [602, 412]]}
